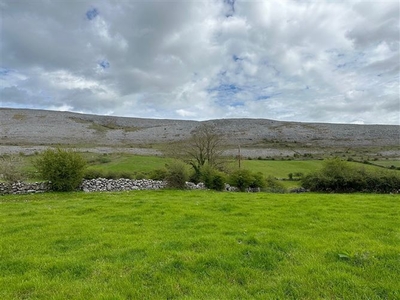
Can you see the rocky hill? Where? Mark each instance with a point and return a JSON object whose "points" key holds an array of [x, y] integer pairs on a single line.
{"points": [[24, 128]]}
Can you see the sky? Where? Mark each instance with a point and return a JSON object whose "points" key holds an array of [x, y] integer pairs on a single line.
{"points": [[307, 61]]}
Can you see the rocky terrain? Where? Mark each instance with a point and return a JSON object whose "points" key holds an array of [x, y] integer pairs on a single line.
{"points": [[24, 130]]}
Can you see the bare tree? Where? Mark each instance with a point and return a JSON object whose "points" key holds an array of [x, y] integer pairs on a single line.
{"points": [[204, 147]]}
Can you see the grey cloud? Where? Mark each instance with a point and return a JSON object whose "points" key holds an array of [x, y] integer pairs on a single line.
{"points": [[284, 59]]}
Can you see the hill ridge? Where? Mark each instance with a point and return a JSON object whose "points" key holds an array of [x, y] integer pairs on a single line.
{"points": [[27, 127]]}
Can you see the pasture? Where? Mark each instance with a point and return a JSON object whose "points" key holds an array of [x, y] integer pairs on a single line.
{"points": [[199, 245]]}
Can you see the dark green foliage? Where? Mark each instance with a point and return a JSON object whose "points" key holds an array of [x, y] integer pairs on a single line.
{"points": [[212, 178], [337, 175], [244, 179], [177, 175], [64, 168]]}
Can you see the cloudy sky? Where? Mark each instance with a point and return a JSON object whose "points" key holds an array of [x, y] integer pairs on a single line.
{"points": [[324, 61]]}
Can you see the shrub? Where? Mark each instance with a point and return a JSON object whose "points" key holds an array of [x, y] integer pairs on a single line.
{"points": [[274, 186], [244, 179], [258, 180], [177, 175], [64, 168], [10, 168], [212, 178], [158, 174], [339, 176]]}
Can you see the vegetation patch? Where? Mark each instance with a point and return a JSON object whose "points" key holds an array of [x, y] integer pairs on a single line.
{"points": [[19, 117]]}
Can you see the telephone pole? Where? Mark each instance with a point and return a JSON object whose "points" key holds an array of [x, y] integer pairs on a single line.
{"points": [[239, 156]]}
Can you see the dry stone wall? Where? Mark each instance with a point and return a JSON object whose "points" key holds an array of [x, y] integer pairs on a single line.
{"points": [[103, 185], [93, 185], [24, 188]]}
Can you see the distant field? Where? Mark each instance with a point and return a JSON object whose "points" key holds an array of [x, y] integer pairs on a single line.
{"points": [[387, 163], [128, 163], [138, 164], [281, 169], [199, 245], [276, 168]]}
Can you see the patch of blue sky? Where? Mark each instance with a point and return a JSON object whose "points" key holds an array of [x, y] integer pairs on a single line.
{"points": [[236, 58], [227, 89], [4, 71], [92, 13], [237, 104], [104, 64], [350, 60]]}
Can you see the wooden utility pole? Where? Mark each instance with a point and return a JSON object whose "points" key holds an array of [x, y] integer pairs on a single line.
{"points": [[239, 156]]}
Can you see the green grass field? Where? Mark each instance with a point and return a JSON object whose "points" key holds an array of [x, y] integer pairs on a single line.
{"points": [[199, 245], [387, 163], [129, 163], [137, 164]]}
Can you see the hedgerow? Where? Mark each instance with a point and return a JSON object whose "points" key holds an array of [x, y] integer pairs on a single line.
{"points": [[340, 176]]}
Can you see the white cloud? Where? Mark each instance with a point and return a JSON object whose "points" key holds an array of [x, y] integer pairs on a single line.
{"points": [[288, 60]]}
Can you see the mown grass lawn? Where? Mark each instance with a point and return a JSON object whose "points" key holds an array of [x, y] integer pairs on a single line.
{"points": [[199, 245]]}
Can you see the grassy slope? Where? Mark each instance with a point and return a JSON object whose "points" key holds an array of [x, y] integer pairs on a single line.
{"points": [[203, 245]]}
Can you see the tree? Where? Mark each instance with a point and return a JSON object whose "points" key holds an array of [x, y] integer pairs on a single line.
{"points": [[204, 148], [64, 168]]}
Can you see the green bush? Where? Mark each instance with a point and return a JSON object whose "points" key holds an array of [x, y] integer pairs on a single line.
{"points": [[177, 175], [64, 168], [244, 179], [340, 176], [274, 186], [212, 178]]}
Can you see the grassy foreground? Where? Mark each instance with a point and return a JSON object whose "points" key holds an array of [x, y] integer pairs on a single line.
{"points": [[199, 245]]}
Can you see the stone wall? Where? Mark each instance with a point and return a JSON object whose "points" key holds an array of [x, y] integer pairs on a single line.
{"points": [[103, 185], [24, 188], [93, 185]]}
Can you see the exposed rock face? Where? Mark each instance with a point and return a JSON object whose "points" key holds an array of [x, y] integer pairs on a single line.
{"points": [[38, 127]]}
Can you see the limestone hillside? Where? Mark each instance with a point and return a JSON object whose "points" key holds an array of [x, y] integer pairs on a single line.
{"points": [[24, 127]]}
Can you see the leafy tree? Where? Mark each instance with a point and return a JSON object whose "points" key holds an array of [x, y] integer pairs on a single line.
{"points": [[64, 168]]}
